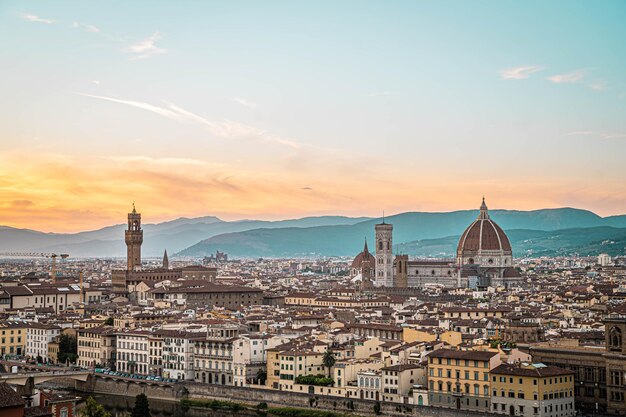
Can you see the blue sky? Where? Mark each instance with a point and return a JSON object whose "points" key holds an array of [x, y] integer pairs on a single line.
{"points": [[282, 109]]}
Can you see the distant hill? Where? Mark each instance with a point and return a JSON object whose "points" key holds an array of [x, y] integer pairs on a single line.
{"points": [[172, 235], [324, 235], [415, 228], [589, 241]]}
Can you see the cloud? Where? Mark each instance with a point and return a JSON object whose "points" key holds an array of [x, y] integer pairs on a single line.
{"points": [[140, 105], [614, 136], [568, 78], [306, 189], [33, 18], [224, 129], [520, 73], [597, 134], [85, 27], [598, 85], [246, 103], [380, 94], [580, 133], [146, 47]]}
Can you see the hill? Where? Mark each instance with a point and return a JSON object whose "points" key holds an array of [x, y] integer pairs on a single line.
{"points": [[172, 235], [415, 228]]}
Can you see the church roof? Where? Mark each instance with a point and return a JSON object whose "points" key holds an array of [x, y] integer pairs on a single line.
{"points": [[365, 255], [484, 234]]}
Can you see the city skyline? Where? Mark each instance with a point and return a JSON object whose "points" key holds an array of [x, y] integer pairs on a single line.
{"points": [[280, 110]]}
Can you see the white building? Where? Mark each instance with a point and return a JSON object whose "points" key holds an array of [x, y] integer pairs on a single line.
{"points": [[604, 259], [178, 354], [38, 335], [132, 352]]}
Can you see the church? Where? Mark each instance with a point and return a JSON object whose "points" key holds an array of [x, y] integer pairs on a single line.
{"points": [[483, 258]]}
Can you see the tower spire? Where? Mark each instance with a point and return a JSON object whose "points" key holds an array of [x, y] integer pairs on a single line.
{"points": [[484, 211], [365, 250], [166, 261]]}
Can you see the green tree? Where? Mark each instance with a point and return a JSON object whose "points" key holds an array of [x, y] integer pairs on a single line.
{"points": [[261, 376], [141, 408], [329, 360], [109, 321], [93, 409], [68, 349], [377, 408]]}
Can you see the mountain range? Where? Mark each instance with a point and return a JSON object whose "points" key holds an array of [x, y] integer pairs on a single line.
{"points": [[540, 232]]}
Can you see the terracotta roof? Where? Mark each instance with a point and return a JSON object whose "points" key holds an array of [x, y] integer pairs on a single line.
{"points": [[8, 397], [484, 234], [463, 354], [540, 371]]}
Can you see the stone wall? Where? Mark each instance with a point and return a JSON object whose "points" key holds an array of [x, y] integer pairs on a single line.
{"points": [[254, 396]]}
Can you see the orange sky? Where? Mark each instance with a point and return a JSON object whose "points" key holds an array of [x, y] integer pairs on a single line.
{"points": [[54, 192]]}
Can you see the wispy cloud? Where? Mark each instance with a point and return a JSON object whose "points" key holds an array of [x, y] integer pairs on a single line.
{"points": [[615, 135], [520, 73], [580, 133], [224, 129], [569, 77], [244, 102], [146, 47], [86, 27], [33, 18], [140, 105], [380, 94]]}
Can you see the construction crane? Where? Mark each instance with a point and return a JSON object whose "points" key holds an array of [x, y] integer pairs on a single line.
{"points": [[52, 256]]}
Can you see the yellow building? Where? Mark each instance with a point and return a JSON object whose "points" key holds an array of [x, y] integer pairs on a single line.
{"points": [[286, 362], [460, 378], [12, 338], [532, 390]]}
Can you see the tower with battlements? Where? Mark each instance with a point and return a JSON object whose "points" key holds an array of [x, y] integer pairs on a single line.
{"points": [[134, 238]]}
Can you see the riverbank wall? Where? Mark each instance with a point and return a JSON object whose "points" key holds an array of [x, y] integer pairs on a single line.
{"points": [[255, 396]]}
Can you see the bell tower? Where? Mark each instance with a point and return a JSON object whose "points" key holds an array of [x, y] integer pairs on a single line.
{"points": [[134, 239], [384, 256]]}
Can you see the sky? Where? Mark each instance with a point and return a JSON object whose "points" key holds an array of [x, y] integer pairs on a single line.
{"points": [[282, 109]]}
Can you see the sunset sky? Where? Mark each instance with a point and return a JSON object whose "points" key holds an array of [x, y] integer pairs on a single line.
{"points": [[283, 109]]}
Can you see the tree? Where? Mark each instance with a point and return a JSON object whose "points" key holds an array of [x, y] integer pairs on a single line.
{"points": [[377, 408], [109, 321], [142, 408], [93, 409], [329, 360], [68, 349], [261, 376]]}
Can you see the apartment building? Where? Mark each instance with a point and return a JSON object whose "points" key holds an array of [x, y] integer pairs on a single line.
{"points": [[459, 379], [214, 354], [13, 338], [532, 390], [97, 347], [132, 351], [38, 336], [178, 353]]}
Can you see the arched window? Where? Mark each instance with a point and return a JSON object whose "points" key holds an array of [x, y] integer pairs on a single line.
{"points": [[380, 245], [615, 339]]}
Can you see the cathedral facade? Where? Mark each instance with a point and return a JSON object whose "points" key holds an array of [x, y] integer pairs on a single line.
{"points": [[483, 258]]}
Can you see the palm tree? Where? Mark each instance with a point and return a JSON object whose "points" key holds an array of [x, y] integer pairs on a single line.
{"points": [[328, 360]]}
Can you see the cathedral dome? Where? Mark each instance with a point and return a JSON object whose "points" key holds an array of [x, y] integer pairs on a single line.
{"points": [[483, 235], [363, 256]]}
